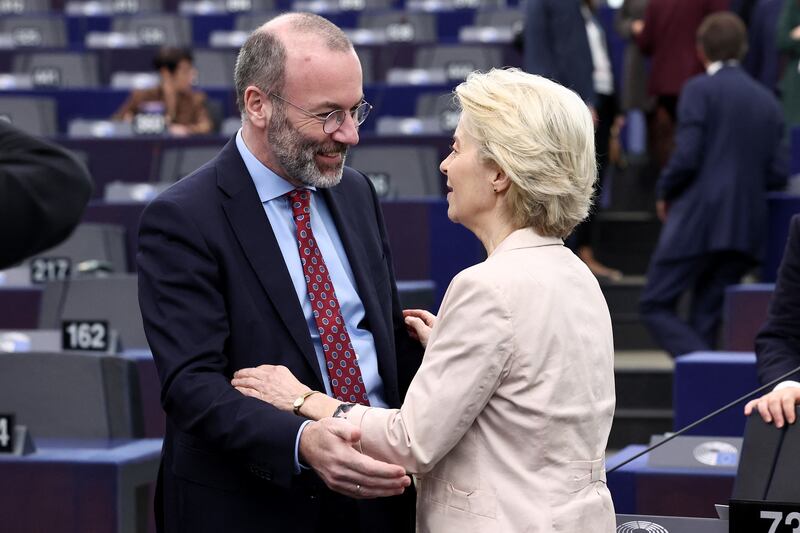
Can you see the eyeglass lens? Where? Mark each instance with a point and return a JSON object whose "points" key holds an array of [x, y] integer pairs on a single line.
{"points": [[335, 119]]}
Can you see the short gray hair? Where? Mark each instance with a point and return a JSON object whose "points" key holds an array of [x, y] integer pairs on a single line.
{"points": [[262, 58], [542, 136]]}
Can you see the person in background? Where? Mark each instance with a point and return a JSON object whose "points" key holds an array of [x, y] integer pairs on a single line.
{"points": [[506, 422], [183, 107], [556, 46], [43, 192], [763, 60], [629, 23], [788, 37], [668, 38], [778, 342], [712, 193], [605, 110]]}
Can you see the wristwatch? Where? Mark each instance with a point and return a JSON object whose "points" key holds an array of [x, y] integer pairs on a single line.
{"points": [[298, 403], [341, 411]]}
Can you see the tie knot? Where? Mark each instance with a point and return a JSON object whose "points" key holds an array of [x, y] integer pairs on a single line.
{"points": [[300, 199]]}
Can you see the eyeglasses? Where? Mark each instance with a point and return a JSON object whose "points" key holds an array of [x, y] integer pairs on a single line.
{"points": [[332, 121]]}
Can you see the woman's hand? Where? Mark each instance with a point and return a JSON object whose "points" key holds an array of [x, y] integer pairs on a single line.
{"points": [[273, 384], [419, 324], [795, 33]]}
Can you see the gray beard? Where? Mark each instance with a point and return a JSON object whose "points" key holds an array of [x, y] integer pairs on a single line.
{"points": [[295, 154]]}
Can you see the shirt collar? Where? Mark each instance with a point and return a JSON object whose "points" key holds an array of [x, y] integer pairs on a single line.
{"points": [[268, 184], [716, 66]]}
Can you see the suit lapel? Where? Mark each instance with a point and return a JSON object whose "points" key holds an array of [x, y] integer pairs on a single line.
{"points": [[349, 231], [254, 233]]}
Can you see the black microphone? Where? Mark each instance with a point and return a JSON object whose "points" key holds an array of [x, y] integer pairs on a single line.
{"points": [[707, 417]]}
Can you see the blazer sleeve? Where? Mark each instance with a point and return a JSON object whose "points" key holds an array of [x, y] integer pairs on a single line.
{"points": [[778, 342], [686, 158], [43, 192], [186, 323], [468, 355]]}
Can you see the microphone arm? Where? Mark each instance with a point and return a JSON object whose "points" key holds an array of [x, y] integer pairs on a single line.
{"points": [[707, 417]]}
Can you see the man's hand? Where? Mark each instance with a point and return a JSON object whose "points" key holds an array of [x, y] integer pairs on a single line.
{"points": [[327, 447], [269, 383], [778, 405], [419, 324]]}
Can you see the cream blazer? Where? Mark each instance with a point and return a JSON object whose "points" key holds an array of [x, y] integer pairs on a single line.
{"points": [[506, 422]]}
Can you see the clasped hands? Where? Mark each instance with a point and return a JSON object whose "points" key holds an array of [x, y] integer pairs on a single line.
{"points": [[329, 445]]}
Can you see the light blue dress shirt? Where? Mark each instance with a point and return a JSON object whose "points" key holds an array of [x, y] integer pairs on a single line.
{"points": [[272, 190]]}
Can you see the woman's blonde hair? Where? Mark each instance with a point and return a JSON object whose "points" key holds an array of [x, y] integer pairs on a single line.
{"points": [[542, 136]]}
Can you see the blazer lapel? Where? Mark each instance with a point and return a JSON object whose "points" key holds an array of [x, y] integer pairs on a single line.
{"points": [[254, 233], [339, 204]]}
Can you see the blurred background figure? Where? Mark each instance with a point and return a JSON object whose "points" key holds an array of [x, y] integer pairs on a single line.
{"points": [[605, 110], [43, 191], [712, 193], [668, 38], [557, 46], [629, 23], [789, 43], [184, 108], [763, 58]]}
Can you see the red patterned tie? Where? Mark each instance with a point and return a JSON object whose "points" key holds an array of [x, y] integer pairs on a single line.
{"points": [[340, 357]]}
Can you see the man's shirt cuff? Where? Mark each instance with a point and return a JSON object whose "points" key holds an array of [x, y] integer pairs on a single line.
{"points": [[297, 466], [786, 385]]}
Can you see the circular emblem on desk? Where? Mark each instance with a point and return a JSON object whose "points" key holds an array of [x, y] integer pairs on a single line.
{"points": [[640, 526], [717, 453]]}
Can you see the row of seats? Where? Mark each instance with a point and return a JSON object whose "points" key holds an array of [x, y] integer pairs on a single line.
{"points": [[105, 7], [433, 114], [369, 27], [432, 64]]}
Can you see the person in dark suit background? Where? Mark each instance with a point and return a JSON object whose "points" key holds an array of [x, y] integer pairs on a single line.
{"points": [[557, 46], [43, 192], [668, 38], [778, 342], [222, 286], [711, 195], [763, 60]]}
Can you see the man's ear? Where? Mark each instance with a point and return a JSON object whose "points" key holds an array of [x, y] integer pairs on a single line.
{"points": [[257, 107]]}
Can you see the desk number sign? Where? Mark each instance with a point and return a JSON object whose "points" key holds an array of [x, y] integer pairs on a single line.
{"points": [[764, 517], [44, 269], [6, 433], [85, 335]]}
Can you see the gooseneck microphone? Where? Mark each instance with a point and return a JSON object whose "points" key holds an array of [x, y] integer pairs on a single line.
{"points": [[707, 417]]}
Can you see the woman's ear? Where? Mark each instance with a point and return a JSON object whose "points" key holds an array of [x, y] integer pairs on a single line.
{"points": [[500, 180]]}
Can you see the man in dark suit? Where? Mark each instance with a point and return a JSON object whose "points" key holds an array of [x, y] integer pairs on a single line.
{"points": [[557, 47], [711, 195], [43, 191], [778, 342], [668, 38], [230, 263]]}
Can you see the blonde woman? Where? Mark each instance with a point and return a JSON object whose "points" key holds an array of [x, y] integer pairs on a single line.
{"points": [[506, 422]]}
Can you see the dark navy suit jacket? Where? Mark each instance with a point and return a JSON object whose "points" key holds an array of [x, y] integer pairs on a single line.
{"points": [[215, 297], [778, 342], [557, 47], [727, 154]]}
